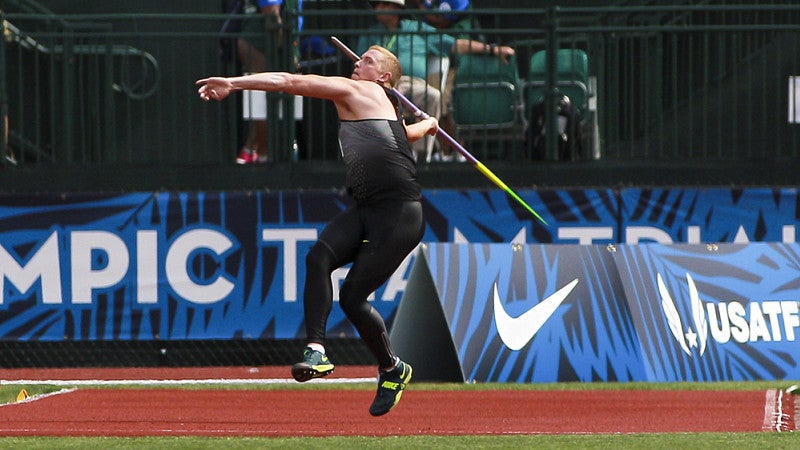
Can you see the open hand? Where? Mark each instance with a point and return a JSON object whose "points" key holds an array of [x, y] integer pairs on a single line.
{"points": [[216, 88]]}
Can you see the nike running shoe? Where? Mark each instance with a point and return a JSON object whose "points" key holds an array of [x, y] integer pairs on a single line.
{"points": [[314, 365], [390, 388]]}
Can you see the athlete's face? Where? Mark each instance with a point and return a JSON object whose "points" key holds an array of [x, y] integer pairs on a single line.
{"points": [[370, 67]]}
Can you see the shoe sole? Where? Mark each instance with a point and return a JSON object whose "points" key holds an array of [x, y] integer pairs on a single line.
{"points": [[302, 372]]}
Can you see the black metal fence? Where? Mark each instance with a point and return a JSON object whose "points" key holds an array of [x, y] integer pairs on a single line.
{"points": [[713, 81]]}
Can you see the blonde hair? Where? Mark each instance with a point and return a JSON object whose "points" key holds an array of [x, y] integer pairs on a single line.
{"points": [[389, 64]]}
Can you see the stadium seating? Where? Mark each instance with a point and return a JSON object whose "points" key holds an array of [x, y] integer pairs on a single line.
{"points": [[572, 81], [572, 73], [487, 98]]}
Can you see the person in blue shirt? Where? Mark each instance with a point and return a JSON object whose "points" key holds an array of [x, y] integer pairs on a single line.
{"points": [[412, 41]]}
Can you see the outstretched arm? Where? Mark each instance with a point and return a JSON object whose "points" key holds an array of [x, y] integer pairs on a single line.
{"points": [[330, 88], [354, 100], [463, 46]]}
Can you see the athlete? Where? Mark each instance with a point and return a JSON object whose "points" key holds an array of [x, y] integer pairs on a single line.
{"points": [[385, 224]]}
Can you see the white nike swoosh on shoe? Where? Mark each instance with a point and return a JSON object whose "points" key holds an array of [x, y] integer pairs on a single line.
{"points": [[516, 332]]}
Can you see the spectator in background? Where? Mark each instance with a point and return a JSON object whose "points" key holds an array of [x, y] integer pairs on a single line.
{"points": [[450, 20], [412, 41], [10, 158], [251, 53], [9, 155]]}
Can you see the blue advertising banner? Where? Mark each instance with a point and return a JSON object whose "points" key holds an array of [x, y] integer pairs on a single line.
{"points": [[693, 216], [648, 312], [159, 266], [536, 313], [213, 265], [579, 216], [715, 312], [219, 265]]}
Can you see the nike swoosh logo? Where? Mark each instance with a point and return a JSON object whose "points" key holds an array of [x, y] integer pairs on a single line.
{"points": [[516, 332]]}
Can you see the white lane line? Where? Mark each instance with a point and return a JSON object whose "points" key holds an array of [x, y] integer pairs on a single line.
{"points": [[775, 416], [212, 381]]}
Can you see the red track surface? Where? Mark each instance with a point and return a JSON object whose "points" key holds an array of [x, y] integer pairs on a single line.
{"points": [[158, 412]]}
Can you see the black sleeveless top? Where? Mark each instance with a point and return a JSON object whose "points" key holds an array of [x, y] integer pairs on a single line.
{"points": [[379, 160]]}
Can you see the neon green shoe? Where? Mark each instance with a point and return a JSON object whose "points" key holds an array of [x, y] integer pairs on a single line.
{"points": [[390, 389], [314, 365]]}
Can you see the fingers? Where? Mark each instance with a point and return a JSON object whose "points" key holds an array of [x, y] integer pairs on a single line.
{"points": [[203, 92], [434, 127], [210, 89], [506, 53], [207, 93]]}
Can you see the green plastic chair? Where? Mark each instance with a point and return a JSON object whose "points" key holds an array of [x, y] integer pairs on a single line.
{"points": [[572, 80], [487, 95], [572, 73]]}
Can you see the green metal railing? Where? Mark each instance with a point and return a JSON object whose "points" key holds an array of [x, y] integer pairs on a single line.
{"points": [[665, 83]]}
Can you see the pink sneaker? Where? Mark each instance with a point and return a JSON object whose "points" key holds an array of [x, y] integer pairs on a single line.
{"points": [[247, 156]]}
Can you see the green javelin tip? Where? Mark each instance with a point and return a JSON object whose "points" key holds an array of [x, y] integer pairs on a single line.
{"points": [[488, 173]]}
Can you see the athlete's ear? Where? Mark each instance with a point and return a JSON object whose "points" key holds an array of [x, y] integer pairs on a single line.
{"points": [[385, 78]]}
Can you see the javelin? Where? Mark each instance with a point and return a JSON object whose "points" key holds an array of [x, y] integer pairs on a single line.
{"points": [[472, 160]]}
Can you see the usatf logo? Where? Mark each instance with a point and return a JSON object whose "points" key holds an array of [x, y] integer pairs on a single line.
{"points": [[692, 338], [745, 321]]}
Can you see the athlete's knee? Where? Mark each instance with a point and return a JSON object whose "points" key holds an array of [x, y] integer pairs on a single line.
{"points": [[351, 299], [319, 259]]}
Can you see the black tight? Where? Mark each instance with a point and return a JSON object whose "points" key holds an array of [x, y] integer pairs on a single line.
{"points": [[375, 239]]}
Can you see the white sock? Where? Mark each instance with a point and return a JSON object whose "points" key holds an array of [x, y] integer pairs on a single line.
{"points": [[316, 346]]}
